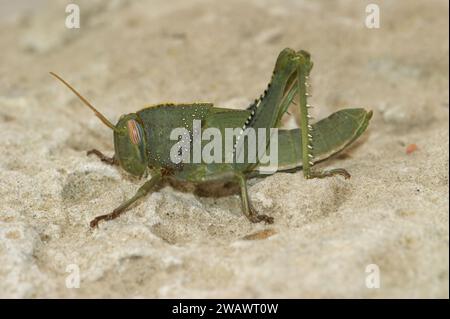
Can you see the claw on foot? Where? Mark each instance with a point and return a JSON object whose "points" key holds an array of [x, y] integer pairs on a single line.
{"points": [[340, 171], [96, 220], [94, 223]]}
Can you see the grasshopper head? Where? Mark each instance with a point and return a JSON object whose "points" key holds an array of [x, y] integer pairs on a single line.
{"points": [[129, 137], [129, 144]]}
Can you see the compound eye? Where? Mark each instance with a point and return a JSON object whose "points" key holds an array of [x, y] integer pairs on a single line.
{"points": [[134, 132]]}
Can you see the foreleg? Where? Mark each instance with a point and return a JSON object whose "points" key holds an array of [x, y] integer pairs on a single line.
{"points": [[103, 157], [142, 191]]}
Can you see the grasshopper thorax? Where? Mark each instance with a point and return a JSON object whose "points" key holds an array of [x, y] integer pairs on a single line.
{"points": [[129, 144]]}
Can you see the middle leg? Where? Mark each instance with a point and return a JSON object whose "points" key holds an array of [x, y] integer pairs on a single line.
{"points": [[247, 207]]}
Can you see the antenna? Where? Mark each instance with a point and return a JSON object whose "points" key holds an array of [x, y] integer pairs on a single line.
{"points": [[86, 102]]}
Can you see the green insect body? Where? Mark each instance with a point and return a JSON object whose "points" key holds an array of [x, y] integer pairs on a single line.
{"points": [[143, 142]]}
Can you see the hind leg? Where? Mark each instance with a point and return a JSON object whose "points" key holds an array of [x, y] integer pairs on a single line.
{"points": [[304, 66]]}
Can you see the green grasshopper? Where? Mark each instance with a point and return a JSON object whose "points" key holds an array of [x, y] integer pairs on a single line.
{"points": [[143, 145]]}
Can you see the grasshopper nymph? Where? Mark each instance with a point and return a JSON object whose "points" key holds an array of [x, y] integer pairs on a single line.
{"points": [[143, 145]]}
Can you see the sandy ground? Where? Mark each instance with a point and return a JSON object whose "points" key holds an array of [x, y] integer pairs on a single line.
{"points": [[392, 213]]}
